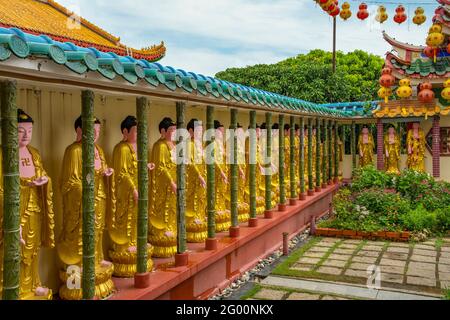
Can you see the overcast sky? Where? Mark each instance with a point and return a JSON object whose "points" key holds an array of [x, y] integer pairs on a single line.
{"points": [[207, 36]]}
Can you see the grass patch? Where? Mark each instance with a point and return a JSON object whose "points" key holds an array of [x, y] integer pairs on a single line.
{"points": [[439, 243], [252, 292], [327, 255], [284, 267], [320, 294], [447, 294]]}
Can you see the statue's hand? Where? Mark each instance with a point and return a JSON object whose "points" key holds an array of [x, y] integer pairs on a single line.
{"points": [[173, 185], [197, 221], [169, 234], [202, 182], [387, 154], [39, 182], [224, 178], [151, 166], [132, 249], [242, 174], [22, 241], [409, 150], [109, 172], [41, 292], [135, 195], [105, 263]]}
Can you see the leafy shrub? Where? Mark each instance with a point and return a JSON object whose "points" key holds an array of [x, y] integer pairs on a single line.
{"points": [[370, 177], [419, 219], [382, 203], [443, 219]]}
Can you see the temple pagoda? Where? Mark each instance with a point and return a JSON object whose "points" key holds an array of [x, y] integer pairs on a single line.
{"points": [[47, 17]]}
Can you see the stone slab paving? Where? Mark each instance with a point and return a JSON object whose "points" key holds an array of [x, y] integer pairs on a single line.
{"points": [[423, 267]]}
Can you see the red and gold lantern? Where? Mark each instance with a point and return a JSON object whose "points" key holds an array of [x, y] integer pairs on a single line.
{"points": [[362, 13], [400, 15], [426, 93]]}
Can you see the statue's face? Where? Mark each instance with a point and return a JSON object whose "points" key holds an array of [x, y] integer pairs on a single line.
{"points": [[198, 133], [97, 128], [170, 133], [391, 130], [130, 136], [365, 131], [25, 131], [220, 132], [416, 125], [258, 132]]}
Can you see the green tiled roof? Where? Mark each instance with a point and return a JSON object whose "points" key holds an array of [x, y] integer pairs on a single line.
{"points": [[111, 66], [425, 67]]}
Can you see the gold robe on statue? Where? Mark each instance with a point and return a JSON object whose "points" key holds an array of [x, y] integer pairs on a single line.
{"points": [[259, 180], [392, 148], [37, 222], [367, 150], [243, 189], [70, 245], [163, 201], [196, 227], [223, 215], [416, 160]]}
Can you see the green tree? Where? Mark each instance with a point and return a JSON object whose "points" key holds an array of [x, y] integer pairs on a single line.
{"points": [[310, 77]]}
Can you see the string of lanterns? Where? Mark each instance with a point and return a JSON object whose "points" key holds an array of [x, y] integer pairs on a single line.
{"points": [[331, 7]]}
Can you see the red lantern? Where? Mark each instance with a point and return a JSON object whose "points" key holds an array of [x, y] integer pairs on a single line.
{"points": [[387, 79], [426, 94], [448, 48], [429, 52], [400, 16], [335, 12], [362, 13]]}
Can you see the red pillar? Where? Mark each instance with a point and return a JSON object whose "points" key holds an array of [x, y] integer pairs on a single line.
{"points": [[380, 145], [436, 147]]}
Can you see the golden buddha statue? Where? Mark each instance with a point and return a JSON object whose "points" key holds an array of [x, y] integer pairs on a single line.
{"points": [[36, 214], [70, 245], [297, 157], [415, 142], [275, 163], [163, 193], [306, 173], [287, 160], [259, 173], [196, 225], [243, 189], [366, 146], [122, 225], [223, 214], [340, 154], [314, 153], [392, 151]]}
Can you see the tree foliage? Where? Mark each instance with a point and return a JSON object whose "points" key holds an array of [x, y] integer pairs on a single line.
{"points": [[310, 77]]}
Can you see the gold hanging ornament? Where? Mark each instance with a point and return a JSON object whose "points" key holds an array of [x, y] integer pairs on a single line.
{"points": [[446, 92], [435, 39], [404, 90], [419, 17], [345, 12], [381, 16]]}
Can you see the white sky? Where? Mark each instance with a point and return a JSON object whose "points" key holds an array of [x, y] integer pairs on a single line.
{"points": [[207, 36]]}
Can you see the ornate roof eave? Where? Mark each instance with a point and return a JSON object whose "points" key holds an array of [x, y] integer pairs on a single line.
{"points": [[397, 44], [410, 108]]}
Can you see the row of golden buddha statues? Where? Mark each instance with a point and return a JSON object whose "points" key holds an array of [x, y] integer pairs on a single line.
{"points": [[116, 199], [415, 143]]}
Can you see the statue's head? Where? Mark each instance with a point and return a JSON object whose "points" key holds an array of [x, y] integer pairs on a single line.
{"points": [[416, 125], [220, 129], [258, 130], [275, 129], [78, 126], [391, 130], [129, 129], [167, 129], [239, 130], [195, 129], [365, 131], [297, 130], [287, 129], [25, 128]]}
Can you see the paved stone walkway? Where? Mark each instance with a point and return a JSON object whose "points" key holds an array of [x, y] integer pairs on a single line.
{"points": [[421, 269]]}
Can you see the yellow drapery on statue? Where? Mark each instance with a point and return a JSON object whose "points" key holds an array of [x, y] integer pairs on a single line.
{"points": [[70, 245], [260, 178], [122, 224], [196, 227], [366, 149], [243, 187], [37, 222], [392, 153], [416, 159], [163, 201]]}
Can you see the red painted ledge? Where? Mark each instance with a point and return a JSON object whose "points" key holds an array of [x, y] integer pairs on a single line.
{"points": [[209, 272]]}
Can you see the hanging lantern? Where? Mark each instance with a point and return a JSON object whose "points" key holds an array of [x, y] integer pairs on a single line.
{"points": [[335, 12], [345, 12], [381, 16], [419, 17], [446, 92], [362, 13], [385, 93], [400, 15], [448, 48], [387, 79], [426, 93], [429, 52], [404, 90], [435, 39]]}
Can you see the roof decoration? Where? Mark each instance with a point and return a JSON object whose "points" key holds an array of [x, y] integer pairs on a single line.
{"points": [[82, 60], [52, 19]]}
